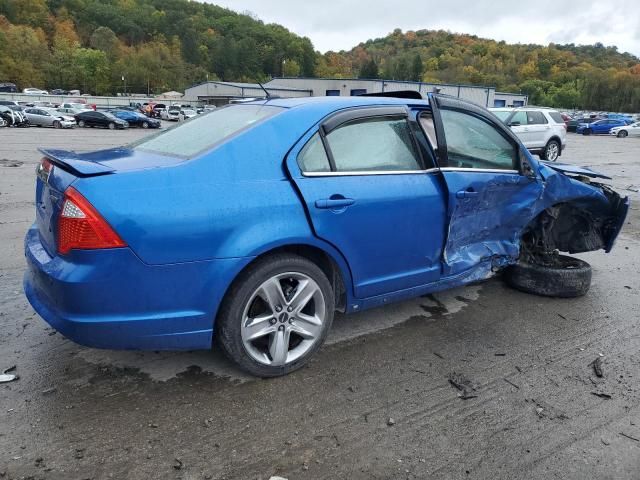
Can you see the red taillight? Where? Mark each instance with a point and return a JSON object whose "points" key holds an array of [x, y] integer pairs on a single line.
{"points": [[81, 226]]}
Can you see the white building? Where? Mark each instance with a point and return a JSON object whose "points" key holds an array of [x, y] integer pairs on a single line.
{"points": [[220, 93], [485, 96]]}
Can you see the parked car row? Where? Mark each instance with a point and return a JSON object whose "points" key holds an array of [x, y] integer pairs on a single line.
{"points": [[69, 117]]}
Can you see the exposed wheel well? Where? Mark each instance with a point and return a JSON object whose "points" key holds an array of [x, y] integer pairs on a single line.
{"points": [[322, 260]]}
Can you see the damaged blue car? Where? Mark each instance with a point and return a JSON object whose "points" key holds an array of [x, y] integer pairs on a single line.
{"points": [[251, 225]]}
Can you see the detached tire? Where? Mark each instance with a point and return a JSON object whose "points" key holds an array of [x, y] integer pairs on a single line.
{"points": [[276, 315], [571, 277]]}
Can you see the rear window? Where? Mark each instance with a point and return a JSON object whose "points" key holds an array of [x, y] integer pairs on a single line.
{"points": [[203, 132], [556, 117]]}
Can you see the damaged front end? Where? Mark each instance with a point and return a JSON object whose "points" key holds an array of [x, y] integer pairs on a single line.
{"points": [[589, 221]]}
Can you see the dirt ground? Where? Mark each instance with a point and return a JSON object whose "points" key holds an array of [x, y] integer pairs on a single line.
{"points": [[376, 402]]}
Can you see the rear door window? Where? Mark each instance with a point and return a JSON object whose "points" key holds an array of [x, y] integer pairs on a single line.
{"points": [[374, 144], [536, 118]]}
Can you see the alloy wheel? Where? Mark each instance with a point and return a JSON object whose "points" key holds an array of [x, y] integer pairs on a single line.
{"points": [[283, 319], [552, 151]]}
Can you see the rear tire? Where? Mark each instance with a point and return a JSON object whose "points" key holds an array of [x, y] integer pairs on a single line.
{"points": [[250, 329], [570, 277], [551, 151], [622, 134]]}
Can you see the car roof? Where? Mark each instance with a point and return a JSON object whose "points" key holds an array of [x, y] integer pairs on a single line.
{"points": [[326, 105]]}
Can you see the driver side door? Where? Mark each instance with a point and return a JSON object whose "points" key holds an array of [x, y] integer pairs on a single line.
{"points": [[492, 187]]}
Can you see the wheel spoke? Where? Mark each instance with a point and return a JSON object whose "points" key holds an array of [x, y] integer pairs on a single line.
{"points": [[307, 326], [271, 292], [279, 347], [258, 327], [304, 293]]}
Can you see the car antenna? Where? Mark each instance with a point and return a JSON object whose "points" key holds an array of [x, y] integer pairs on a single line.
{"points": [[269, 96]]}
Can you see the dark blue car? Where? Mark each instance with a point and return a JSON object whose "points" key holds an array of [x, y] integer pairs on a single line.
{"points": [[136, 119], [601, 127], [254, 223]]}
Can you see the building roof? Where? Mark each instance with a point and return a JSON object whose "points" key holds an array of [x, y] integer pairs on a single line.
{"points": [[257, 86]]}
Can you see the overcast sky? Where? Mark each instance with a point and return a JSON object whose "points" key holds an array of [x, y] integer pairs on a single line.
{"points": [[342, 24]]}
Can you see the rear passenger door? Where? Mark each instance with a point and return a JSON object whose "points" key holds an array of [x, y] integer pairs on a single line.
{"points": [[370, 191]]}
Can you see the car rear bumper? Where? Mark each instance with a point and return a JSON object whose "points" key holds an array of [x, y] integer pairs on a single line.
{"points": [[111, 299]]}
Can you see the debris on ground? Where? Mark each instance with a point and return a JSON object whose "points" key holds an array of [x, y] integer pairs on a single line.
{"points": [[602, 395], [630, 437], [8, 377], [391, 422], [605, 441], [633, 188], [511, 383], [545, 410], [438, 355], [277, 478], [597, 367], [500, 354], [49, 391], [463, 384], [5, 162], [177, 465]]}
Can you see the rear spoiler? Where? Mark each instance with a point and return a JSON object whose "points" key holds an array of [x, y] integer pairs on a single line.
{"points": [[71, 161]]}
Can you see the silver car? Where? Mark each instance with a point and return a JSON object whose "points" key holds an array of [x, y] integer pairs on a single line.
{"points": [[48, 117]]}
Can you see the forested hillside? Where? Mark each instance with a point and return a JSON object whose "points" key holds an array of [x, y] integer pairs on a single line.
{"points": [[160, 45], [593, 76], [156, 44]]}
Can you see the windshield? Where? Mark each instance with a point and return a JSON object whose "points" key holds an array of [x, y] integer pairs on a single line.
{"points": [[203, 132]]}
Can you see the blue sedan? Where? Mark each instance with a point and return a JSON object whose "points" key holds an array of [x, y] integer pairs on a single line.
{"points": [[136, 119], [601, 127], [251, 225]]}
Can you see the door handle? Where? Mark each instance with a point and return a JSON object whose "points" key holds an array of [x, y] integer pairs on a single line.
{"points": [[466, 194], [334, 203]]}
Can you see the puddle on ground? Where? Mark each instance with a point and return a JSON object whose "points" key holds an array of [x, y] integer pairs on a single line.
{"points": [[163, 366]]}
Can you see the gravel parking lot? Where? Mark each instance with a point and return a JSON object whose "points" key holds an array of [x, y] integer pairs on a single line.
{"points": [[376, 401]]}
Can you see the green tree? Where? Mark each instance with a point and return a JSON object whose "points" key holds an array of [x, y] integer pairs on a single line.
{"points": [[369, 70], [416, 68]]}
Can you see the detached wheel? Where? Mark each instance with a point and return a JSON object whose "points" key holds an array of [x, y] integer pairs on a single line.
{"points": [[276, 315], [551, 151], [569, 277], [622, 134]]}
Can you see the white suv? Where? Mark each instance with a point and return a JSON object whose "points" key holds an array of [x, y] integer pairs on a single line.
{"points": [[541, 130]]}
